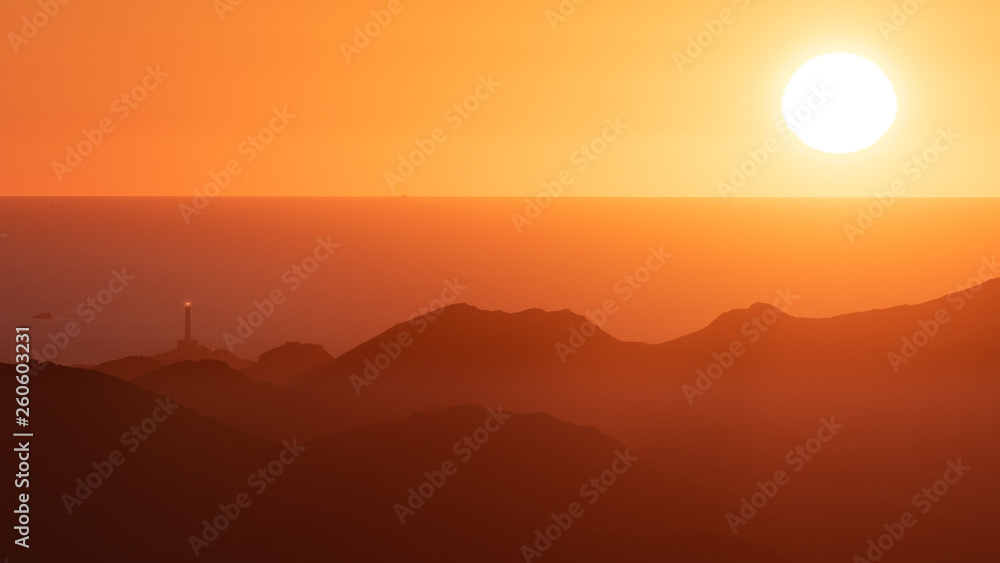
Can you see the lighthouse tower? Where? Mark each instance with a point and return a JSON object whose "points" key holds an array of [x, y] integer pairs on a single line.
{"points": [[188, 347]]}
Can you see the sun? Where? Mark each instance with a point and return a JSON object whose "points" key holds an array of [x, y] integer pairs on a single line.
{"points": [[839, 103]]}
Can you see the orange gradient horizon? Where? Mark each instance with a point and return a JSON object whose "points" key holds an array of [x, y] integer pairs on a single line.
{"points": [[293, 99], [396, 253]]}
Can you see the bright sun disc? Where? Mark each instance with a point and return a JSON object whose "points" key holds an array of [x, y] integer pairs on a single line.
{"points": [[839, 103]]}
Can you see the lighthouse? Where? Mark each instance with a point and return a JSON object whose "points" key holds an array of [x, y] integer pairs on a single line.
{"points": [[188, 347]]}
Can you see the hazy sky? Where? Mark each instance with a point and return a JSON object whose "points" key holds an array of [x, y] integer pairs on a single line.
{"points": [[214, 78]]}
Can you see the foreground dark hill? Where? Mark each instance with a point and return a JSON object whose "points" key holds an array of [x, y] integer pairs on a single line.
{"points": [[172, 473], [128, 368], [491, 479], [334, 499], [214, 389]]}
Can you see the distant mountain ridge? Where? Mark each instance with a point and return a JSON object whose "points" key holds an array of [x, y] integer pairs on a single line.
{"points": [[461, 354], [288, 361]]}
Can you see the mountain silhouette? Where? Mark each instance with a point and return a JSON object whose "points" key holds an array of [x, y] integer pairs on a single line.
{"points": [[145, 507], [714, 413], [199, 352], [466, 353], [334, 498], [214, 389], [127, 368], [287, 362], [531, 467], [790, 374]]}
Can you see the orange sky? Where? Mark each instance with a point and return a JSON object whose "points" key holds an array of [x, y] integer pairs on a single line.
{"points": [[556, 87]]}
